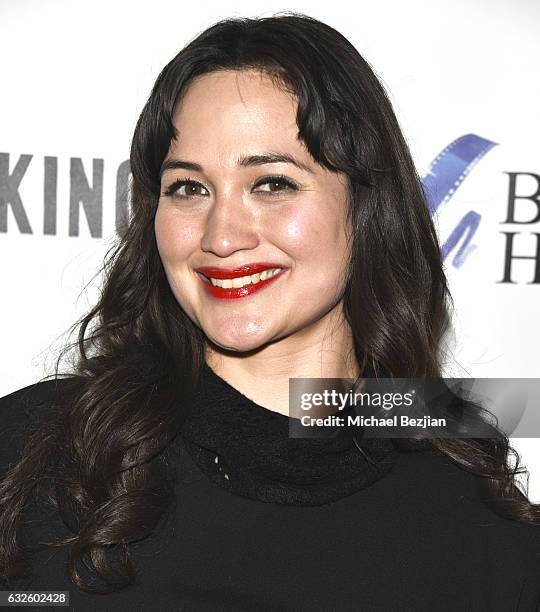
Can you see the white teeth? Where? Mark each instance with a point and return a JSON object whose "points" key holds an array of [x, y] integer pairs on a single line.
{"points": [[242, 281]]}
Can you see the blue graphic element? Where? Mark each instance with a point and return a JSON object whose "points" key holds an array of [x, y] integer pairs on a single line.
{"points": [[468, 224], [450, 168], [446, 173]]}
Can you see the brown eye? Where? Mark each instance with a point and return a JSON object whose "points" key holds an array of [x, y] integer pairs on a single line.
{"points": [[191, 188], [277, 184]]}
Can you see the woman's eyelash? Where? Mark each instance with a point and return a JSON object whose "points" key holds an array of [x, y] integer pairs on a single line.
{"points": [[173, 188], [278, 178]]}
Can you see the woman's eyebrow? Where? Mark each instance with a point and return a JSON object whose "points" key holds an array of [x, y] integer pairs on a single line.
{"points": [[248, 160]]}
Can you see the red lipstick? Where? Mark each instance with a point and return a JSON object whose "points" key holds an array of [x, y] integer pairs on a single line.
{"points": [[206, 272], [246, 270]]}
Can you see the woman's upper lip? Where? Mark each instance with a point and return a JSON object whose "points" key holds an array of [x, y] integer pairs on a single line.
{"points": [[245, 270]]}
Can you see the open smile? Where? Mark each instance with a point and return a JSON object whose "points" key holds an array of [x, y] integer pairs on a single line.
{"points": [[240, 286]]}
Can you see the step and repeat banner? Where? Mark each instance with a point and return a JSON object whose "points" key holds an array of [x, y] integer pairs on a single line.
{"points": [[463, 80]]}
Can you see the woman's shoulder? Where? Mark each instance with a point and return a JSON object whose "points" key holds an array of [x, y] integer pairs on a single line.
{"points": [[437, 481], [455, 509], [440, 476], [20, 412], [21, 404]]}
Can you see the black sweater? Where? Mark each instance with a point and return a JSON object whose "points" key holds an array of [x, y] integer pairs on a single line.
{"points": [[265, 522]]}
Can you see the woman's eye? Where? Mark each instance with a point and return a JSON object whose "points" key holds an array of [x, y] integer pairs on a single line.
{"points": [[280, 182], [190, 191]]}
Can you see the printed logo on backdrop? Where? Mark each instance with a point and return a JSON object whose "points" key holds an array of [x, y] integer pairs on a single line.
{"points": [[445, 175], [85, 194]]}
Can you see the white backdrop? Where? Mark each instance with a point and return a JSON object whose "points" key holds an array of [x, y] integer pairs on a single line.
{"points": [[75, 76]]}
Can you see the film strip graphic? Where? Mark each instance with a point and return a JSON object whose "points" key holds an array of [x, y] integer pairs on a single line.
{"points": [[451, 167]]}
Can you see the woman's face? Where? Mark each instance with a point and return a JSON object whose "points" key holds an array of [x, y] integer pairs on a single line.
{"points": [[231, 213]]}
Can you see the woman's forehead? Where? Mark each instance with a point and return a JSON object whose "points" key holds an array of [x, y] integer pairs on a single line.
{"points": [[231, 122], [243, 96]]}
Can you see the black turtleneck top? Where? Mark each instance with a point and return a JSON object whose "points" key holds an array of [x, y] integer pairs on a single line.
{"points": [[265, 522]]}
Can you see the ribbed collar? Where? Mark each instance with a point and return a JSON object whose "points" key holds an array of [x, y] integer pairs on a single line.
{"points": [[246, 449]]}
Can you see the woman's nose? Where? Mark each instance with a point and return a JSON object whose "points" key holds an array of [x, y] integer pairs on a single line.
{"points": [[230, 226]]}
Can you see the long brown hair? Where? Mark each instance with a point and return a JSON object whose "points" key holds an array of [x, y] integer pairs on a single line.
{"points": [[102, 455]]}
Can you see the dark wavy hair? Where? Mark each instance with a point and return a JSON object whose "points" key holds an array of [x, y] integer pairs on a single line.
{"points": [[102, 454]]}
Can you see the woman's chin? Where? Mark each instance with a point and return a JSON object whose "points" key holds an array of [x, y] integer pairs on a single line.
{"points": [[242, 341]]}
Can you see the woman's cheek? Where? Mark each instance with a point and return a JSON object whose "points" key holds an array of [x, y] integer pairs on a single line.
{"points": [[175, 237], [305, 233]]}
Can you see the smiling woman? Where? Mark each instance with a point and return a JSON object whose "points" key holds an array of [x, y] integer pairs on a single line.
{"points": [[278, 230], [231, 218]]}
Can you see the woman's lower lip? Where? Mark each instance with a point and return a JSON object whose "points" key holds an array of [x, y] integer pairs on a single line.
{"points": [[236, 292]]}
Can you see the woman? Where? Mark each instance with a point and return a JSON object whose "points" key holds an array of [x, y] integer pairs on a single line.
{"points": [[162, 466]]}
